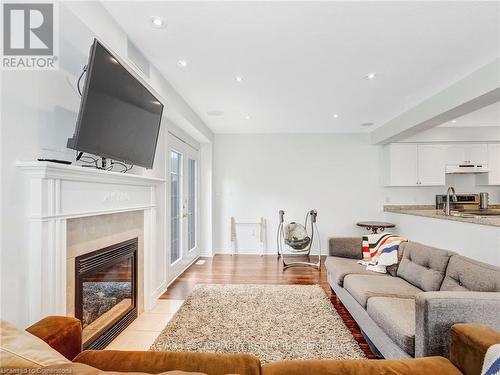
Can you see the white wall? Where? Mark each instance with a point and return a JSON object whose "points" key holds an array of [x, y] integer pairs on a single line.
{"points": [[257, 175], [39, 110]]}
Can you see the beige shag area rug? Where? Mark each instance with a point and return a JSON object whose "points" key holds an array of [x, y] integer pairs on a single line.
{"points": [[273, 322]]}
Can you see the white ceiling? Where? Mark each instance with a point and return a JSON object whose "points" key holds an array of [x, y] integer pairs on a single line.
{"points": [[487, 116], [301, 62]]}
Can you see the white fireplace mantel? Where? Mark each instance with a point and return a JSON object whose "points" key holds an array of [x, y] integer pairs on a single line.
{"points": [[59, 192]]}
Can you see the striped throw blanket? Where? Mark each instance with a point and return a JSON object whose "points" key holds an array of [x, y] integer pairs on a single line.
{"points": [[380, 251], [491, 365]]}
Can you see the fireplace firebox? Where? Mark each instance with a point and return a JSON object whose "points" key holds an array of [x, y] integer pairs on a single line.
{"points": [[106, 292]]}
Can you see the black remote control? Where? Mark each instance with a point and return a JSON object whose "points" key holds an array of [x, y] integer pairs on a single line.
{"points": [[56, 161]]}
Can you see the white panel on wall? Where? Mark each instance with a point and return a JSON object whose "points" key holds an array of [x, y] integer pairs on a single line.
{"points": [[136, 56]]}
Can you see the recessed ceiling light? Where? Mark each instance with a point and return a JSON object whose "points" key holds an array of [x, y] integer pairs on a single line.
{"points": [[157, 22], [247, 117], [370, 75], [335, 115], [238, 78], [367, 124], [182, 63], [454, 121], [215, 112]]}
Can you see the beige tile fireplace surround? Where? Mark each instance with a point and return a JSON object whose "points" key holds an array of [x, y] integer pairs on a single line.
{"points": [[87, 234]]}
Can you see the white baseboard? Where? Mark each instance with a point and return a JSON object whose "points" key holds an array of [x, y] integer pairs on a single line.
{"points": [[158, 292], [180, 273], [257, 252], [207, 254], [164, 286], [242, 252]]}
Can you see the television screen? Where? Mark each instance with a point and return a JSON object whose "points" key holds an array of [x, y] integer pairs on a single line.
{"points": [[119, 117]]}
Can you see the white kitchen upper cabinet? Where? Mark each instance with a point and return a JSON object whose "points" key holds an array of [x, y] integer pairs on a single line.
{"points": [[466, 154], [493, 164], [454, 155], [414, 165], [476, 153], [401, 163], [431, 165]]}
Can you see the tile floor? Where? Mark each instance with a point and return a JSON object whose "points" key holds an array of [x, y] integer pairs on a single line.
{"points": [[145, 329]]}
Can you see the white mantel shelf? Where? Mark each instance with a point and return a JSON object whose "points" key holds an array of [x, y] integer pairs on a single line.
{"points": [[59, 192], [68, 191], [44, 169]]}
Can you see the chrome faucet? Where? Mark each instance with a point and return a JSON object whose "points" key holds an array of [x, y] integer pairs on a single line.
{"points": [[447, 209]]}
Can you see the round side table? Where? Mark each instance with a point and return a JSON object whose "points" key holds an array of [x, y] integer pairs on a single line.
{"points": [[375, 226]]}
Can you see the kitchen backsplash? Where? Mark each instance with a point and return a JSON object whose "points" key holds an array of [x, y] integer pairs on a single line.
{"points": [[465, 183]]}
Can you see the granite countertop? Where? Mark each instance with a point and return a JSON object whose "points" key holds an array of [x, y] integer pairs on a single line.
{"points": [[432, 212]]}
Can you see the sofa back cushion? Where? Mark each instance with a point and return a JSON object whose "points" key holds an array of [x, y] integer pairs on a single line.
{"points": [[465, 274], [83, 369], [20, 349], [423, 266]]}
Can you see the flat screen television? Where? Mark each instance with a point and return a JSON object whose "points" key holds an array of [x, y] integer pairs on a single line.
{"points": [[119, 117]]}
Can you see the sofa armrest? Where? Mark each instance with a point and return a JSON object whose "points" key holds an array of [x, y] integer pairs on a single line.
{"points": [[155, 362], [436, 312], [469, 343], [62, 333], [346, 247]]}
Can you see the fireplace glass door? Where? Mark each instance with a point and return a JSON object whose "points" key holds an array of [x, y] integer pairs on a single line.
{"points": [[106, 290]]}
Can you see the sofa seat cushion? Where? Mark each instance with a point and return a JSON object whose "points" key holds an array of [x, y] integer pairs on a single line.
{"points": [[341, 267], [465, 274], [424, 266], [396, 317], [363, 287]]}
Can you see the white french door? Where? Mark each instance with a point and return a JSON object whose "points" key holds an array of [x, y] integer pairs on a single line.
{"points": [[184, 203]]}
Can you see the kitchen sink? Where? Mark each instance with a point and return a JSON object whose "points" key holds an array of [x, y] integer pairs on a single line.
{"points": [[481, 213]]}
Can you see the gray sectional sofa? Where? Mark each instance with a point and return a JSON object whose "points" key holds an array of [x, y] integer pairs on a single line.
{"points": [[409, 312]]}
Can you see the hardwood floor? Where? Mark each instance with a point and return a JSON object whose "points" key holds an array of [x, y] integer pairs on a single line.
{"points": [[244, 269], [256, 269]]}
